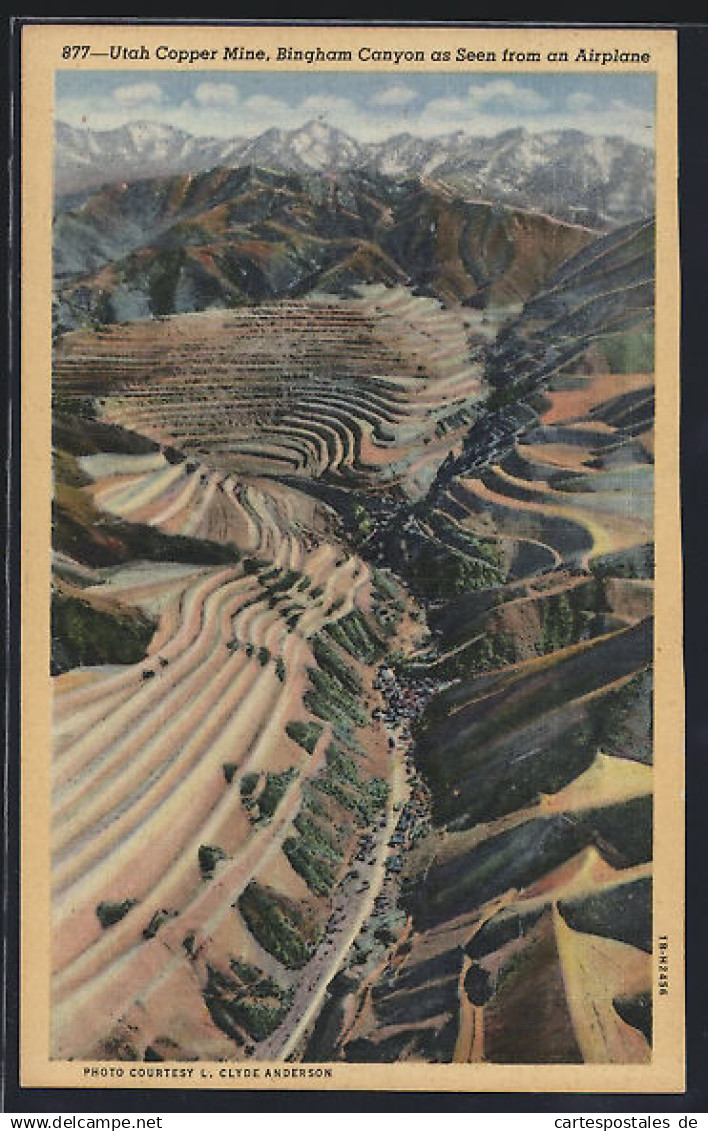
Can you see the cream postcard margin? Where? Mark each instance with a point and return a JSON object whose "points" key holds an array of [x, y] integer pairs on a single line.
{"points": [[41, 59]]}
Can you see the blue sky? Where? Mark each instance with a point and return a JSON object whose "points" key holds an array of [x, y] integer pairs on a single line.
{"points": [[368, 106]]}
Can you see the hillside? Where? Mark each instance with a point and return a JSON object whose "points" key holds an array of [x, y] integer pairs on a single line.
{"points": [[532, 898], [228, 237]]}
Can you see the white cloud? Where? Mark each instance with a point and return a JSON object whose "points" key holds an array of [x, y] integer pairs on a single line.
{"points": [[442, 107], [261, 112], [260, 106], [216, 94], [446, 115], [488, 108], [505, 92], [580, 100], [397, 95], [137, 93], [616, 119], [333, 107]]}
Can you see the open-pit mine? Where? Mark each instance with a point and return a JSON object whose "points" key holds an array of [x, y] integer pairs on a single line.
{"points": [[351, 631]]}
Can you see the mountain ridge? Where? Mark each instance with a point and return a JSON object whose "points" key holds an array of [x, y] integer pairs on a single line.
{"points": [[602, 181], [228, 236]]}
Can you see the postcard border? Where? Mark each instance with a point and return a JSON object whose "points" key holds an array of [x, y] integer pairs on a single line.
{"points": [[37, 1069]]}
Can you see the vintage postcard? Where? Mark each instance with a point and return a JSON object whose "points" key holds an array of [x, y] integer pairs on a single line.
{"points": [[352, 742]]}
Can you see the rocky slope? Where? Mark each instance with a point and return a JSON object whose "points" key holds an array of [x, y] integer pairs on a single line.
{"points": [[227, 237]]}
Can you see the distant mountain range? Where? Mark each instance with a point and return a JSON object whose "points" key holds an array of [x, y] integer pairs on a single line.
{"points": [[598, 181], [228, 236]]}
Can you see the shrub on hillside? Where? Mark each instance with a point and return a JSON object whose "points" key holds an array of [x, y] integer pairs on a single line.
{"points": [[286, 930], [273, 791], [305, 734], [109, 912]]}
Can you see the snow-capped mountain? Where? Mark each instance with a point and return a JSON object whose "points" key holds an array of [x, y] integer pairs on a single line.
{"points": [[600, 181], [86, 158]]}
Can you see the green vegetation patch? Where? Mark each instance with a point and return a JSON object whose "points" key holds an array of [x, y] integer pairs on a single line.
{"points": [[486, 652], [353, 633], [363, 522], [254, 565], [317, 832], [388, 603], [83, 635], [316, 804], [342, 781], [330, 785], [246, 972], [388, 617], [89, 537], [378, 792], [342, 765], [249, 782], [256, 1008], [630, 352], [334, 685], [562, 622], [331, 689], [325, 833], [326, 708], [163, 277], [333, 663], [457, 538], [109, 912], [273, 791], [385, 586], [306, 734], [158, 920], [442, 576], [458, 563], [287, 930], [208, 857], [316, 864], [276, 583]]}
